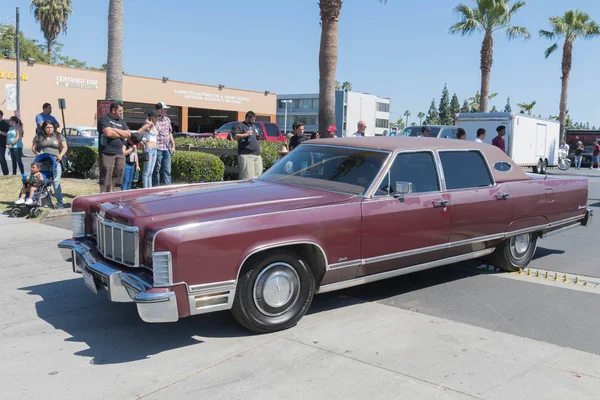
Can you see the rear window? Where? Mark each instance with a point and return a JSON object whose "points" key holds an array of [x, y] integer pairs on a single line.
{"points": [[227, 127], [465, 169], [272, 130], [417, 130]]}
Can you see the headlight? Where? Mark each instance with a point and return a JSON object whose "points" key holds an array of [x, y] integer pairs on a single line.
{"points": [[78, 224], [162, 268]]}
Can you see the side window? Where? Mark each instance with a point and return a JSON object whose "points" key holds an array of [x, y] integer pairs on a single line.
{"points": [[465, 169], [272, 130], [416, 168]]}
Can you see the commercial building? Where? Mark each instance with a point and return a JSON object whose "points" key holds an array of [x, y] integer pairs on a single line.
{"points": [[350, 107], [194, 107]]}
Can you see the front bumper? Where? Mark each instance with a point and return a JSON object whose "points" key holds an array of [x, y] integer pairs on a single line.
{"points": [[122, 285]]}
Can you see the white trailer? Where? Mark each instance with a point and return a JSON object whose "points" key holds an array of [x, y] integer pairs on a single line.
{"points": [[530, 141]]}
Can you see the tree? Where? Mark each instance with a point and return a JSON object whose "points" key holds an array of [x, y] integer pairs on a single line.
{"points": [[52, 16], [407, 114], [421, 115], [487, 17], [347, 86], [527, 107], [432, 116], [507, 107], [114, 67], [29, 48], [444, 109], [475, 101], [494, 109], [454, 107], [400, 124], [574, 24], [465, 107]]}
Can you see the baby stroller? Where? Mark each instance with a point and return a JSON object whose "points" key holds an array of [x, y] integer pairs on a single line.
{"points": [[43, 195]]}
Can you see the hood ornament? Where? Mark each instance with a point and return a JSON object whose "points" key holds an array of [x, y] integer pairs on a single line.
{"points": [[120, 203]]}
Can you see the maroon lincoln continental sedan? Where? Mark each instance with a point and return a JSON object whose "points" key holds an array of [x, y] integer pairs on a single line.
{"points": [[333, 213]]}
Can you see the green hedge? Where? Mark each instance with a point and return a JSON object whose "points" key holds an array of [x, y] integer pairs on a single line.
{"points": [[192, 167], [81, 160]]}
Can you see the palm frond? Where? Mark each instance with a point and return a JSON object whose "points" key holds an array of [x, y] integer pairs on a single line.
{"points": [[548, 35], [550, 50], [468, 22], [515, 7], [515, 32]]}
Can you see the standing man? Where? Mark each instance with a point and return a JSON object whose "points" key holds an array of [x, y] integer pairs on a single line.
{"points": [[331, 132], [361, 128], [4, 127], [480, 135], [249, 158], [298, 137], [461, 134], [45, 115], [112, 133], [165, 145], [425, 131], [498, 141]]}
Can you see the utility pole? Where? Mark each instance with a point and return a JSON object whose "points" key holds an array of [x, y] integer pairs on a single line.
{"points": [[286, 102], [18, 50]]}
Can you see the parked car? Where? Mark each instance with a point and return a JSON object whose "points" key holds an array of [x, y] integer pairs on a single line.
{"points": [[441, 131], [331, 214], [266, 130], [81, 135], [191, 135]]}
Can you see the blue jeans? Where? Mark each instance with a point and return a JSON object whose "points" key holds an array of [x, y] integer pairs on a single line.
{"points": [[149, 167], [578, 161], [16, 156], [162, 170], [127, 176], [56, 184]]}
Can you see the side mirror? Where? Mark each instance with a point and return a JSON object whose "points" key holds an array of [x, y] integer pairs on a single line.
{"points": [[402, 189]]}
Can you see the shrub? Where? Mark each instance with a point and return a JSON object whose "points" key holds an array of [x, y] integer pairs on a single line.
{"points": [[81, 159], [192, 167]]}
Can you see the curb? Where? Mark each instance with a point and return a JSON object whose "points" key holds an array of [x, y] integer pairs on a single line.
{"points": [[55, 214]]}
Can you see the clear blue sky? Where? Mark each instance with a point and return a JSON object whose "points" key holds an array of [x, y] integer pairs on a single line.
{"points": [[400, 50]]}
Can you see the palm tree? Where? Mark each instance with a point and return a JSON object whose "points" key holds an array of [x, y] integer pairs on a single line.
{"points": [[407, 114], [52, 16], [114, 63], [489, 16], [421, 115], [527, 107], [328, 55], [347, 86], [574, 24]]}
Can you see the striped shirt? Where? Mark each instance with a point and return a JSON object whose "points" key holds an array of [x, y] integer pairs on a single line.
{"points": [[163, 141]]}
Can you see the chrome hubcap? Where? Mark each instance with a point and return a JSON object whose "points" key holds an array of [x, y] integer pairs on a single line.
{"points": [[519, 245], [276, 289]]}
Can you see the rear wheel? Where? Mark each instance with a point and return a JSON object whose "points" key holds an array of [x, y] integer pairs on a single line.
{"points": [[538, 168], [35, 212], [15, 212], [515, 253], [544, 166], [273, 293]]}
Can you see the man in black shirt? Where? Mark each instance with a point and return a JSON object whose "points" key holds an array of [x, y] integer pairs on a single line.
{"points": [[4, 127], [298, 137], [249, 159], [112, 132]]}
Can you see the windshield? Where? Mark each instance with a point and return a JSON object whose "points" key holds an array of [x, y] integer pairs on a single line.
{"points": [[332, 168], [416, 131], [227, 127], [89, 132]]}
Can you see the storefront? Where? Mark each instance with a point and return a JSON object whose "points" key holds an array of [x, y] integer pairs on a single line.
{"points": [[194, 107]]}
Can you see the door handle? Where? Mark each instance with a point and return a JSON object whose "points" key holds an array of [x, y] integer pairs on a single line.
{"points": [[502, 196], [440, 203]]}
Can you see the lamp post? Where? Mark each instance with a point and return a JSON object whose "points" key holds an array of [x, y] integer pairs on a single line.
{"points": [[285, 118]]}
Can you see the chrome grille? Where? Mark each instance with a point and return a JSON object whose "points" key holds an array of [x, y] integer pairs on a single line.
{"points": [[117, 242]]}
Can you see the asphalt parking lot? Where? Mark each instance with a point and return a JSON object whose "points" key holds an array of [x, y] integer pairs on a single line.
{"points": [[456, 332]]}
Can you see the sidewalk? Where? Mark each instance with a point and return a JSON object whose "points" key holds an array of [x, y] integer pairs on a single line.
{"points": [[57, 337]]}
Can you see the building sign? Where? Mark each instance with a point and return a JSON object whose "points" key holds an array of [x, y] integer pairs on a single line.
{"points": [[12, 75], [210, 97], [11, 97], [80, 83]]}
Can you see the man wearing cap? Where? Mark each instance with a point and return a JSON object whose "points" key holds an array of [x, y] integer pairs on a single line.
{"points": [[331, 132], [112, 132], [498, 141], [249, 158], [425, 131], [361, 128], [165, 146]]}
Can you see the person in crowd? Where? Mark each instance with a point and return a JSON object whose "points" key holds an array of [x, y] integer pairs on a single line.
{"points": [[480, 135], [112, 131], [564, 146], [249, 158], [425, 131], [45, 115], [53, 143], [361, 127], [165, 146], [131, 160], [498, 141], [461, 134], [298, 137], [150, 134], [578, 154], [35, 180], [596, 155], [314, 135], [14, 143], [394, 132], [4, 127], [386, 132], [331, 132]]}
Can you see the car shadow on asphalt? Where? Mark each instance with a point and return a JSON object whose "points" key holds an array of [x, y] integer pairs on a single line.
{"points": [[114, 332], [542, 252]]}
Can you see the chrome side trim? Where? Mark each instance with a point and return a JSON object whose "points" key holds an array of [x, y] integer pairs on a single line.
{"points": [[211, 297], [210, 287], [561, 230], [403, 271], [545, 226], [345, 264]]}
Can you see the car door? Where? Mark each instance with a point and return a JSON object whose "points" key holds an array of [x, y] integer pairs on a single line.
{"points": [[481, 208], [400, 233]]}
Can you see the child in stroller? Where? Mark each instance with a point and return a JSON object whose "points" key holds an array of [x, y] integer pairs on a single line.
{"points": [[36, 191]]}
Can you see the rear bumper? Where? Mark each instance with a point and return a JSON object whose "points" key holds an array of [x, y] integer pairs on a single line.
{"points": [[153, 304], [587, 220]]}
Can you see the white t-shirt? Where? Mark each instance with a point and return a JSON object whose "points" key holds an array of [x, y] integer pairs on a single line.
{"points": [[478, 140], [356, 134]]}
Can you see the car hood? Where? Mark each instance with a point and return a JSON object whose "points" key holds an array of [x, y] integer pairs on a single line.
{"points": [[215, 201]]}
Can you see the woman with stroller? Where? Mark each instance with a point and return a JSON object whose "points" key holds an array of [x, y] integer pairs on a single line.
{"points": [[51, 142], [14, 143], [31, 185], [150, 133]]}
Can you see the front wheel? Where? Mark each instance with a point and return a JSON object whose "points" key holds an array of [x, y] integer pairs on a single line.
{"points": [[273, 293], [564, 164], [515, 253]]}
